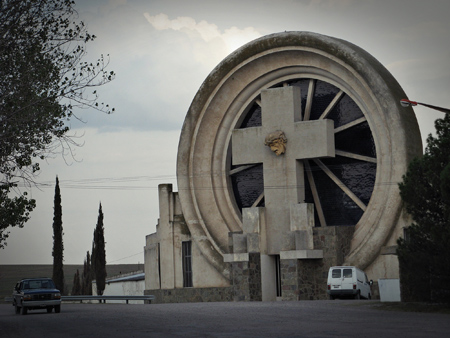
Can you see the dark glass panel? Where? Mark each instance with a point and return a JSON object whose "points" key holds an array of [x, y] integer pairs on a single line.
{"points": [[253, 117], [310, 199], [345, 111], [358, 176], [357, 139], [248, 185], [337, 207], [324, 93], [304, 85]]}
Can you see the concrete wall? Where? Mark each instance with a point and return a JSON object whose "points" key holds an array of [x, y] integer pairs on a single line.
{"points": [[163, 250], [125, 288], [151, 262]]}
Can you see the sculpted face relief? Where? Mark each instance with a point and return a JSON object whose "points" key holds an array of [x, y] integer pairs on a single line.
{"points": [[277, 142]]}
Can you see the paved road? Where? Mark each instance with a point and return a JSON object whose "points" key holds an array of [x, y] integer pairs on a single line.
{"points": [[257, 319]]}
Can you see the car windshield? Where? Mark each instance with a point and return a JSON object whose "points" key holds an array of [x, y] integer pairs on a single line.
{"points": [[39, 284]]}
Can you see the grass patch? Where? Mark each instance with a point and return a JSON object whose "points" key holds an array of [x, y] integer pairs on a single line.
{"points": [[413, 307]]}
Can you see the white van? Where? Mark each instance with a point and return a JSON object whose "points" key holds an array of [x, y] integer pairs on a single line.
{"points": [[348, 281]]}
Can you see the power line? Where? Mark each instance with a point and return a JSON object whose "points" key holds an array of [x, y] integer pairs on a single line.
{"points": [[115, 184], [121, 259], [106, 183], [124, 183]]}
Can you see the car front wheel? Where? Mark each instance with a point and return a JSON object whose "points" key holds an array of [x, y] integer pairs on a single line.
{"points": [[24, 310], [57, 308]]}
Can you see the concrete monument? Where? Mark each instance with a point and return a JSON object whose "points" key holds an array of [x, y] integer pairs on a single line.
{"points": [[288, 163]]}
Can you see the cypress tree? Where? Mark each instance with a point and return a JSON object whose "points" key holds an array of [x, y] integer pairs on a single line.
{"points": [[99, 254], [86, 278], [76, 288], [58, 247]]}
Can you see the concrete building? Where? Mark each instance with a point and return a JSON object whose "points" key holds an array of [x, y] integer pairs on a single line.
{"points": [[130, 284], [288, 163]]}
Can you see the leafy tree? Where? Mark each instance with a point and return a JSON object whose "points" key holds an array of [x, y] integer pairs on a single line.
{"points": [[14, 211], [43, 79], [76, 288], [58, 247], [99, 254], [423, 254], [86, 285]]}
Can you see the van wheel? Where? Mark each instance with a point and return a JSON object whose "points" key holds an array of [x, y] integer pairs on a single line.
{"points": [[331, 297], [358, 295]]}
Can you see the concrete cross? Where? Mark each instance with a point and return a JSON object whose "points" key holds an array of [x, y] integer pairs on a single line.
{"points": [[283, 174]]}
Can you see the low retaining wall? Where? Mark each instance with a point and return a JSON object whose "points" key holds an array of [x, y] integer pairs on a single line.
{"points": [[190, 295]]}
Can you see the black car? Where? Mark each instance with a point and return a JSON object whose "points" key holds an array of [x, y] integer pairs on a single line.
{"points": [[36, 293]]}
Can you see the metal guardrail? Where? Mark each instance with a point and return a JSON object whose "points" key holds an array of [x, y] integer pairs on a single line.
{"points": [[100, 298], [148, 298], [105, 298]]}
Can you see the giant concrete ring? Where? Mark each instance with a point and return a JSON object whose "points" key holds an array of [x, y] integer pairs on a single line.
{"points": [[203, 162]]}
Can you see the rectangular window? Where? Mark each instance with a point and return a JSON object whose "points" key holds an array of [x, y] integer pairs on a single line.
{"points": [[406, 234], [348, 273], [336, 273], [159, 264], [187, 263], [278, 274]]}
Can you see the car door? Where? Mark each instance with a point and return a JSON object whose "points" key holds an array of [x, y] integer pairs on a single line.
{"points": [[347, 278], [335, 278], [366, 286]]}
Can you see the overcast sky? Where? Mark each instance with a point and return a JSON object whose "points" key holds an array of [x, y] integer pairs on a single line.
{"points": [[162, 51]]}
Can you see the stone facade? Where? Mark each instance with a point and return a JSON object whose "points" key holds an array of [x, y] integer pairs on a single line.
{"points": [[290, 279], [191, 295], [246, 279], [306, 279]]}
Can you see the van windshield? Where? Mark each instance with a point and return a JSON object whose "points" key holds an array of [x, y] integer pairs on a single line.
{"points": [[347, 273], [336, 273]]}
